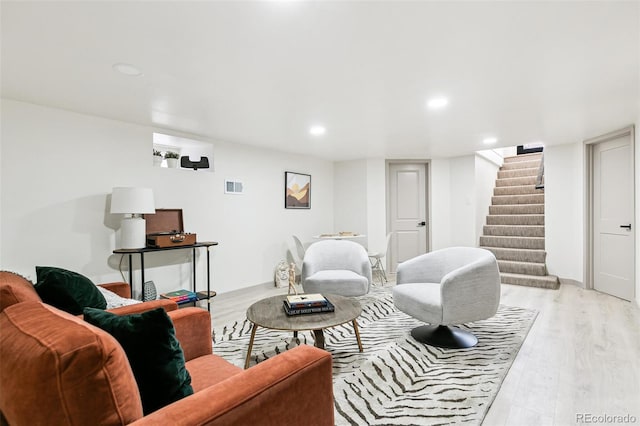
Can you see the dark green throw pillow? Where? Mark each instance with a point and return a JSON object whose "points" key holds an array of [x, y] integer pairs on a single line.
{"points": [[67, 290], [155, 355]]}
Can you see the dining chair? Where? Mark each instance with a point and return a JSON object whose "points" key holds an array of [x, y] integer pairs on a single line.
{"points": [[375, 257]]}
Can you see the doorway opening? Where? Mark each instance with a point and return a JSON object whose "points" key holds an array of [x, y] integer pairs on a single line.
{"points": [[610, 250], [408, 210]]}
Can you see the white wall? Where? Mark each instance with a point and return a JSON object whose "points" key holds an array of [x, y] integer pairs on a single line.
{"points": [[58, 169], [350, 197], [376, 204], [1, 187], [463, 199], [440, 205], [564, 210], [359, 199], [637, 224], [461, 194], [486, 173]]}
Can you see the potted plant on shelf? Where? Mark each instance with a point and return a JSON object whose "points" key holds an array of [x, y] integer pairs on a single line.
{"points": [[172, 158], [157, 158]]}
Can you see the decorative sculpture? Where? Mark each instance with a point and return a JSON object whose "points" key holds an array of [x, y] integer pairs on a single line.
{"points": [[292, 279]]}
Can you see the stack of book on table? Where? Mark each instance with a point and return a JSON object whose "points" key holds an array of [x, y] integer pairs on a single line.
{"points": [[306, 304], [180, 296]]}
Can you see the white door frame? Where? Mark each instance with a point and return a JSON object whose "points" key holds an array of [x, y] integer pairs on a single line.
{"points": [[589, 145], [427, 188]]}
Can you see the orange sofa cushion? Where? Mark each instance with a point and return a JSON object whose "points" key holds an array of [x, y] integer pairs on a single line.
{"points": [[210, 370], [81, 373], [15, 289]]}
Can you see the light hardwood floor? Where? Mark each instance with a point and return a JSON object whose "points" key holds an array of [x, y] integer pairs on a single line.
{"points": [[582, 355]]}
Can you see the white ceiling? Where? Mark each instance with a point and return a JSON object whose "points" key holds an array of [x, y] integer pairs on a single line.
{"points": [[262, 73]]}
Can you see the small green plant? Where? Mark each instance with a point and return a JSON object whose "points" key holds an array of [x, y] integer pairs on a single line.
{"points": [[157, 153], [171, 154]]}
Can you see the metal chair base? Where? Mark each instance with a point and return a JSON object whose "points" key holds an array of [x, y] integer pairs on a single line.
{"points": [[443, 336]]}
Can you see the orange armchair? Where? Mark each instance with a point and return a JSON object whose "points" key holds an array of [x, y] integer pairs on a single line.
{"points": [[58, 369]]}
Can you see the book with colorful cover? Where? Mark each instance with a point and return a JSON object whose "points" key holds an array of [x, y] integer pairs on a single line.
{"points": [[180, 296], [309, 310], [300, 301]]}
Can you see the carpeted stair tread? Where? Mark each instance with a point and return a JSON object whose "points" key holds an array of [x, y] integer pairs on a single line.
{"points": [[524, 268], [514, 230], [515, 219], [506, 174], [523, 157], [500, 200], [513, 181], [548, 281], [512, 242], [517, 190], [521, 165], [517, 209], [518, 255]]}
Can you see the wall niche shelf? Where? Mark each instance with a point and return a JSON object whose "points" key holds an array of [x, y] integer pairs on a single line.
{"points": [[193, 155]]}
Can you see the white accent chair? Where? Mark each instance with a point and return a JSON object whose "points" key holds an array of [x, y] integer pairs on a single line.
{"points": [[300, 250], [297, 253], [375, 257], [336, 266], [455, 285]]}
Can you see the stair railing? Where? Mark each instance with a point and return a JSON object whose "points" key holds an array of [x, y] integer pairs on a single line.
{"points": [[540, 177]]}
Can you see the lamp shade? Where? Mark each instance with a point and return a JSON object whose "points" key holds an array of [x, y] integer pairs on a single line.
{"points": [[132, 201]]}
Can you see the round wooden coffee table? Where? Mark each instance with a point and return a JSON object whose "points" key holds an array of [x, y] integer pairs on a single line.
{"points": [[269, 313]]}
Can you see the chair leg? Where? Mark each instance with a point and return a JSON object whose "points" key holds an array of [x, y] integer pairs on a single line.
{"points": [[444, 336], [377, 268], [384, 273]]}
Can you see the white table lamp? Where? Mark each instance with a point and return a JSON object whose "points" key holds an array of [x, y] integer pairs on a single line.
{"points": [[132, 202]]}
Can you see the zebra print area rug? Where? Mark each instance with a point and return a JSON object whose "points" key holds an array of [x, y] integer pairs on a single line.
{"points": [[398, 381]]}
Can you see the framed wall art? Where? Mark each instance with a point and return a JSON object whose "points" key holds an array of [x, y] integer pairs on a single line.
{"points": [[297, 191]]}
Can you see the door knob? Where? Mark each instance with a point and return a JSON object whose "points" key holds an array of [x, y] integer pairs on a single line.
{"points": [[626, 226], [425, 223]]}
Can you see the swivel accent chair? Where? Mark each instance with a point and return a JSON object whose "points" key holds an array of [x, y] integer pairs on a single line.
{"points": [[336, 266], [455, 285]]}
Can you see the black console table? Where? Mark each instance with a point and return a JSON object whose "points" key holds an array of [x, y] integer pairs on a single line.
{"points": [[142, 251]]}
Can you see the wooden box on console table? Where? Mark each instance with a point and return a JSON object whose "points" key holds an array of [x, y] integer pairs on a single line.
{"points": [[165, 228]]}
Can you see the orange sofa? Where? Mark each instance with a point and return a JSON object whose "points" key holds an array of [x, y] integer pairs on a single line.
{"points": [[58, 369], [15, 289]]}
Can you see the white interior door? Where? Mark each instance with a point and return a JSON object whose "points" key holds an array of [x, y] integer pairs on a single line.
{"points": [[613, 236], [407, 211]]}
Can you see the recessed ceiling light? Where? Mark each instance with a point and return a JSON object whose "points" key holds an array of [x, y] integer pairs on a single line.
{"points": [[317, 130], [437, 103], [489, 141], [127, 69]]}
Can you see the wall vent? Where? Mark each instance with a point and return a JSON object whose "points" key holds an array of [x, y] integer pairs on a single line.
{"points": [[233, 187]]}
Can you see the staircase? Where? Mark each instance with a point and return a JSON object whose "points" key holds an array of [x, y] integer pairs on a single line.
{"points": [[515, 225]]}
